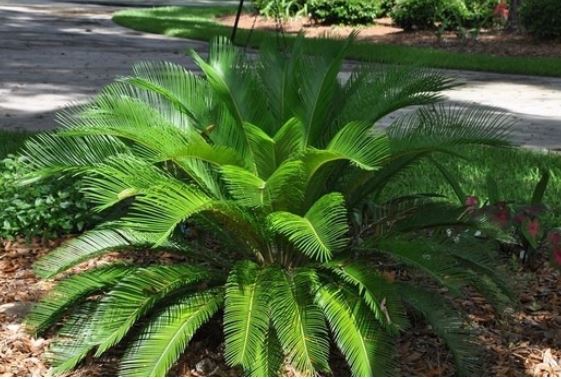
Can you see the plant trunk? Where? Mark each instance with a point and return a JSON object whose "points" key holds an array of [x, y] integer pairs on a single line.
{"points": [[513, 23]]}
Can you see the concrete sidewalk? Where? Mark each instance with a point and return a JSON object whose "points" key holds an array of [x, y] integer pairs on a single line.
{"points": [[56, 52]]}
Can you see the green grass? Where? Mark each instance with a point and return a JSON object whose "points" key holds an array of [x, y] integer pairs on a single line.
{"points": [[200, 24], [516, 171], [10, 142]]}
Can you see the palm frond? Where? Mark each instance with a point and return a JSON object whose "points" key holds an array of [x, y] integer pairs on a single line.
{"points": [[299, 323], [282, 190], [367, 185], [361, 145], [162, 208], [319, 84], [71, 291], [442, 127], [163, 341], [122, 177], [372, 92], [49, 154], [321, 231], [447, 324], [246, 317], [378, 294], [488, 277], [290, 140], [187, 92], [128, 118], [234, 85], [262, 147], [356, 143], [427, 257], [356, 332], [269, 358], [73, 341], [89, 245], [135, 295]]}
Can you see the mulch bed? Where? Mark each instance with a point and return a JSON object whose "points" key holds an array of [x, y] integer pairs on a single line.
{"points": [[494, 42], [525, 341]]}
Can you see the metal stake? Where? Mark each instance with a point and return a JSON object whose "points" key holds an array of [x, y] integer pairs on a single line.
{"points": [[238, 15]]}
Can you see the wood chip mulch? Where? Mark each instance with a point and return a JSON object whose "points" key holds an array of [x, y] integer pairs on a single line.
{"points": [[525, 341], [494, 42]]}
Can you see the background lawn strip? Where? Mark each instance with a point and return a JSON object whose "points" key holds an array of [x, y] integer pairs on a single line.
{"points": [[201, 24]]}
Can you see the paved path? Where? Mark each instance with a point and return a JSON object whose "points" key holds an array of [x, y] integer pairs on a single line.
{"points": [[54, 53]]}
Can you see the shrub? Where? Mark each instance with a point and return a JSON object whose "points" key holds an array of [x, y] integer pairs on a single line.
{"points": [[277, 164], [48, 209], [424, 14], [347, 12], [386, 7], [480, 13], [541, 18], [281, 8]]}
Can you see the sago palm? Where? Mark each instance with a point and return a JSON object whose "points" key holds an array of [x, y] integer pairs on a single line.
{"points": [[279, 163]]}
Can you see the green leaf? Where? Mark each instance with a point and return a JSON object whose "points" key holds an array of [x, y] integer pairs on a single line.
{"points": [[289, 140], [246, 317], [451, 179], [447, 324], [300, 324], [161, 209], [71, 291], [427, 257], [539, 190], [361, 144], [269, 358], [183, 89], [135, 295], [48, 154], [322, 230], [443, 127], [167, 335], [355, 331], [319, 85], [87, 246], [263, 148], [73, 342], [378, 294], [283, 189]]}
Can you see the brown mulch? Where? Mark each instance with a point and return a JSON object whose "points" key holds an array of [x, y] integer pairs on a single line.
{"points": [[525, 341], [494, 42]]}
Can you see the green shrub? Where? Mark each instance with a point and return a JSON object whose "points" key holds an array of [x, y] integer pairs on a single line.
{"points": [[46, 209], [480, 12], [347, 12], [274, 161], [281, 8], [386, 7], [542, 18], [424, 14]]}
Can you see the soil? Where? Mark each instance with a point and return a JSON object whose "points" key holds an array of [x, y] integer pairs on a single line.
{"points": [[494, 42], [525, 341]]}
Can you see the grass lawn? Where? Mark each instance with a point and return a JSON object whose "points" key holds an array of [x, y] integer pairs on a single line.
{"points": [[200, 24], [515, 170]]}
